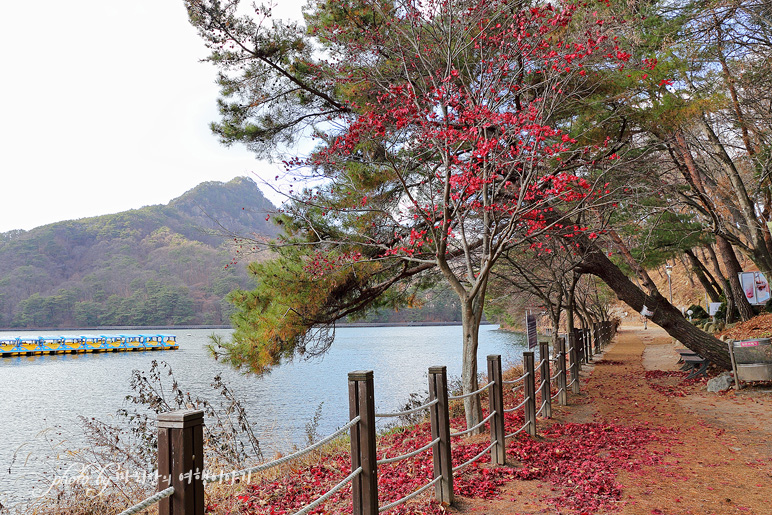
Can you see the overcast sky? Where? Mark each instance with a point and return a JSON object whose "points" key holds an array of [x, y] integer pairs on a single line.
{"points": [[105, 106]]}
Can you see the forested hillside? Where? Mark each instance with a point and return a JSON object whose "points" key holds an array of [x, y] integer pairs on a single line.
{"points": [[158, 265]]}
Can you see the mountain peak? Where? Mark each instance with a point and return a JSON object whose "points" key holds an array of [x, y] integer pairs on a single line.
{"points": [[156, 265]]}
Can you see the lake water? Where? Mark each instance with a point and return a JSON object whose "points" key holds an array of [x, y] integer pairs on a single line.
{"points": [[45, 392]]}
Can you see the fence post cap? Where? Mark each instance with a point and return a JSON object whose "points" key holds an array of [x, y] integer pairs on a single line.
{"points": [[494, 357], [181, 419], [360, 375], [437, 369]]}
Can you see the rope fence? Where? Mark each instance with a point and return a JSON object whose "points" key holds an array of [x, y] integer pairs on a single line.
{"points": [[265, 466], [515, 381], [510, 410], [474, 427], [472, 460], [519, 430], [182, 476], [329, 493], [409, 496], [163, 494], [470, 394], [395, 459], [407, 412]]}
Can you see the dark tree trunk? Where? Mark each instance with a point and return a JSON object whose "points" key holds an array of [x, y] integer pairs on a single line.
{"points": [[665, 315], [716, 267], [471, 312], [571, 304], [718, 286], [686, 267], [731, 312], [699, 272], [733, 270]]}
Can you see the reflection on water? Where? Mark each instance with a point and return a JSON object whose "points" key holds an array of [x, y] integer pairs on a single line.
{"points": [[48, 393]]}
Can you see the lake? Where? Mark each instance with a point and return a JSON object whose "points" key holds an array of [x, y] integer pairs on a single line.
{"points": [[42, 393]]}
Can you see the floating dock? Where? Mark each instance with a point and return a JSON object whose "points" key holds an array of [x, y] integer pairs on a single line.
{"points": [[32, 345]]}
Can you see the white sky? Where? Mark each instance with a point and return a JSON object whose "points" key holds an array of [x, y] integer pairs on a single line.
{"points": [[105, 106]]}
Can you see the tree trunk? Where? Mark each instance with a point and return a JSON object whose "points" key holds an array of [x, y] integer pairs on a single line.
{"points": [[706, 284], [733, 268], [665, 315], [571, 304], [555, 328], [703, 262], [760, 254], [686, 267], [471, 312], [716, 266], [731, 310]]}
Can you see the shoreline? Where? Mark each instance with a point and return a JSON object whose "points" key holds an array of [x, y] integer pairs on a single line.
{"points": [[179, 327]]}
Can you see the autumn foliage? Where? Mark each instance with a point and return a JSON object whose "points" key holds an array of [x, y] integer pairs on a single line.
{"points": [[579, 461], [445, 133]]}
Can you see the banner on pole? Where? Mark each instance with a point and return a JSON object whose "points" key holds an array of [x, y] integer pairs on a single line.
{"points": [[755, 286], [530, 324]]}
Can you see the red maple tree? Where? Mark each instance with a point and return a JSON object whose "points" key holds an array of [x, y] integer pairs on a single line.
{"points": [[444, 136]]}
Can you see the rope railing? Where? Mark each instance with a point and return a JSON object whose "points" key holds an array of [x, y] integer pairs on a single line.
{"points": [[163, 494], [385, 461], [180, 437], [478, 426], [539, 389], [513, 381], [409, 496], [275, 463], [408, 412], [329, 493], [464, 396], [467, 463], [541, 409], [517, 407], [519, 430]]}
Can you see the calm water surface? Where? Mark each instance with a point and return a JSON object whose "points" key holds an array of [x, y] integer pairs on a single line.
{"points": [[45, 392]]}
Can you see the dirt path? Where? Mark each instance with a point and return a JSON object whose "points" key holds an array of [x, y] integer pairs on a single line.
{"points": [[713, 452]]}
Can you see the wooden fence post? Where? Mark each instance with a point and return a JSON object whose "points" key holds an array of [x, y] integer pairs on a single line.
{"points": [[440, 420], [601, 335], [573, 350], [596, 336], [530, 392], [496, 403], [546, 390], [587, 337], [361, 399], [577, 343], [181, 461], [560, 352]]}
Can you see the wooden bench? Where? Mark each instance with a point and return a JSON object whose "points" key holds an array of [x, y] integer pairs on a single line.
{"points": [[685, 352], [695, 364]]}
